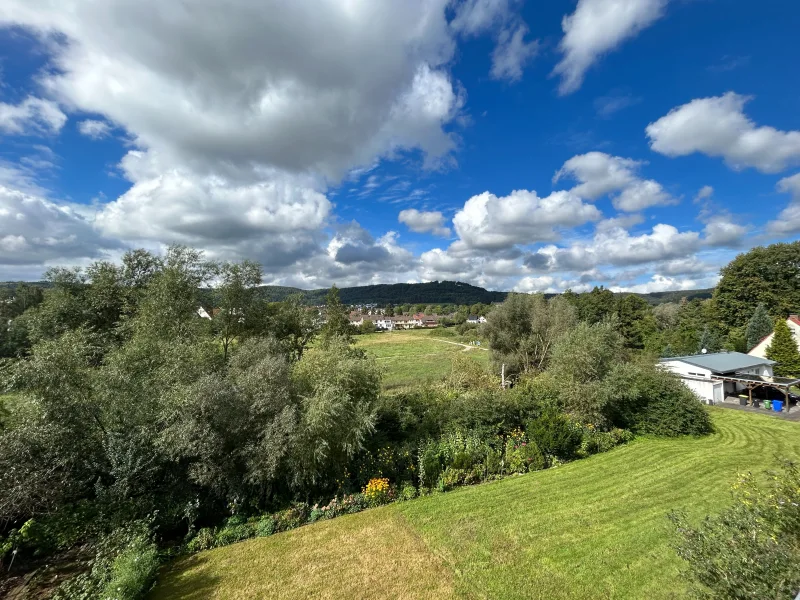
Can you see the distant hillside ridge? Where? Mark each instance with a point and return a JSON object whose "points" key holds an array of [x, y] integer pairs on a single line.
{"points": [[438, 292], [432, 292]]}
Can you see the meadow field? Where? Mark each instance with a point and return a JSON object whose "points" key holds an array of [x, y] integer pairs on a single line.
{"points": [[594, 528], [416, 355]]}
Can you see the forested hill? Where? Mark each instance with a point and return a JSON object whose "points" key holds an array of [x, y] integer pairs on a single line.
{"points": [[436, 292]]}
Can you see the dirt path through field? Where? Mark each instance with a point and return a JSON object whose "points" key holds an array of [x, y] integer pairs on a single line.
{"points": [[467, 347]]}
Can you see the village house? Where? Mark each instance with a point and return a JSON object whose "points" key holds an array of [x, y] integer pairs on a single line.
{"points": [[760, 349], [713, 377], [475, 320]]}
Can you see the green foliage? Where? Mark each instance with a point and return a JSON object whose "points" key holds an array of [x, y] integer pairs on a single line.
{"points": [[635, 320], [239, 311], [367, 327], [235, 530], [769, 276], [783, 350], [595, 441], [523, 330], [751, 550], [337, 321], [758, 327], [648, 400], [554, 434], [522, 454], [124, 567], [203, 540]]}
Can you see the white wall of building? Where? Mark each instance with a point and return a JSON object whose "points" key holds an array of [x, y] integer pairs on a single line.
{"points": [[760, 349], [698, 380]]}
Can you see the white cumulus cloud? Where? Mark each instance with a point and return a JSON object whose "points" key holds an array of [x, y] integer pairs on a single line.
{"points": [[488, 222], [718, 127], [601, 174], [424, 221]]}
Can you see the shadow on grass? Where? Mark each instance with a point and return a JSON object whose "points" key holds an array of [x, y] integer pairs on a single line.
{"points": [[185, 579]]}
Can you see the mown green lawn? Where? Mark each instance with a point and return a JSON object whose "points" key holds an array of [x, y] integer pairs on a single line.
{"points": [[415, 356], [595, 528]]}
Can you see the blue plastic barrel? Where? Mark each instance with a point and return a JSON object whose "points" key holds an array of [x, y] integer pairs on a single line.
{"points": [[777, 405]]}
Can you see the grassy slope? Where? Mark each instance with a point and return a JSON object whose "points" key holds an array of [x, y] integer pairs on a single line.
{"points": [[594, 528], [414, 356]]}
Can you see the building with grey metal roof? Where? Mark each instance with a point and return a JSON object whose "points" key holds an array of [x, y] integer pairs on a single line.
{"points": [[722, 362]]}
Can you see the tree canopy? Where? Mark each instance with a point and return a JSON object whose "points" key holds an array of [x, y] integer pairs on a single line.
{"points": [[765, 275]]}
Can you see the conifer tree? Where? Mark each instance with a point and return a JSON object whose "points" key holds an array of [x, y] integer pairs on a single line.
{"points": [[783, 350], [759, 326]]}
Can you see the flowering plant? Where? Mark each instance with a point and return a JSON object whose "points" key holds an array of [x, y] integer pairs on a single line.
{"points": [[377, 491]]}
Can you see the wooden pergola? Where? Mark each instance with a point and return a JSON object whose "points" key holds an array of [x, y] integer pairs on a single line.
{"points": [[752, 382]]}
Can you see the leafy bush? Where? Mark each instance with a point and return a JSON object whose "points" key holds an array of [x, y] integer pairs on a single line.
{"points": [[595, 441], [235, 530], [133, 571], [522, 454], [461, 452], [265, 526], [124, 568], [646, 399], [204, 540], [292, 517], [407, 492], [750, 551], [554, 434]]}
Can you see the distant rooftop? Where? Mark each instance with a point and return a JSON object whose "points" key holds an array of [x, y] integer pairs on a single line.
{"points": [[722, 362]]}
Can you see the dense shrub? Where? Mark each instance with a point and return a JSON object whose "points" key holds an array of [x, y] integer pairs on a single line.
{"points": [[751, 550], [646, 399], [595, 441], [555, 434], [204, 540], [522, 454], [235, 530], [133, 571], [124, 568]]}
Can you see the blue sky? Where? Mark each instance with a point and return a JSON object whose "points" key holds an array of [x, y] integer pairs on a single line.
{"points": [[535, 146]]}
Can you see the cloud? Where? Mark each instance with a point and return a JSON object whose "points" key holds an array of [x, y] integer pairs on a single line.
{"points": [[473, 17], [664, 283], [596, 28], [601, 174], [722, 231], [704, 193], [424, 222], [94, 129], [617, 247], [788, 221], [241, 116], [717, 126], [487, 222], [31, 116], [254, 83], [608, 105], [512, 53], [36, 231]]}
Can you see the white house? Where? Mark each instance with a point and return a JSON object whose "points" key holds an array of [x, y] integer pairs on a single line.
{"points": [[760, 349], [714, 376]]}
